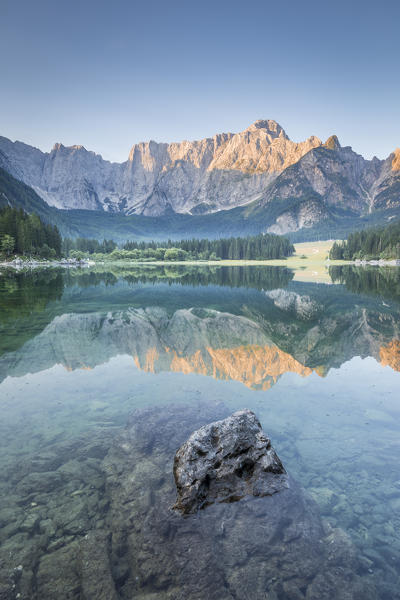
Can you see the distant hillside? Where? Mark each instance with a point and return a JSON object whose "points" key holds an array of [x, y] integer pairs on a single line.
{"points": [[16, 194], [257, 217]]}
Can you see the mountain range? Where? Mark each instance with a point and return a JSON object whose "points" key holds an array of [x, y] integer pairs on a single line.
{"points": [[247, 182]]}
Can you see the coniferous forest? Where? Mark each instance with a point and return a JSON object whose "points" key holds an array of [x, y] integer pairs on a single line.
{"points": [[87, 246], [259, 247], [262, 246], [27, 235], [369, 244], [24, 234]]}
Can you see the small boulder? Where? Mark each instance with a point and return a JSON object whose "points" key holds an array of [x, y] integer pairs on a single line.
{"points": [[225, 461]]}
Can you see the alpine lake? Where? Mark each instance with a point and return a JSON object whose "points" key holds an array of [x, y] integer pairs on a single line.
{"points": [[106, 371]]}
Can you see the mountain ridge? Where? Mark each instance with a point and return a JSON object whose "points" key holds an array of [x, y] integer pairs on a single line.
{"points": [[212, 173], [257, 180]]}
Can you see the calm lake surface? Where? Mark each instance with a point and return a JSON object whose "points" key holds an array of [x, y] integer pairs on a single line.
{"points": [[319, 364]]}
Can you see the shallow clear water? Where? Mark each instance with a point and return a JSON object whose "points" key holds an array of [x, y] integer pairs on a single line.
{"points": [[79, 351]]}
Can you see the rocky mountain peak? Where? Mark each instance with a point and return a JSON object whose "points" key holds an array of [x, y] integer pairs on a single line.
{"points": [[271, 127], [58, 147], [396, 160], [332, 143]]}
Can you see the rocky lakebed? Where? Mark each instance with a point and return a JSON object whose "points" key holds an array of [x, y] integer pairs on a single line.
{"points": [[184, 502]]}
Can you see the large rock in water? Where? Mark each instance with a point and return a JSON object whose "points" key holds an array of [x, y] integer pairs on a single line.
{"points": [[272, 547], [224, 461]]}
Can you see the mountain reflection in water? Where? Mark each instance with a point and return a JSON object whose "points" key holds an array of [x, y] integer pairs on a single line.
{"points": [[83, 498], [250, 325]]}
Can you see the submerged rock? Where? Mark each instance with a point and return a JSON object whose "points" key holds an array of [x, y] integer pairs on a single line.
{"points": [[225, 461], [126, 542], [267, 546]]}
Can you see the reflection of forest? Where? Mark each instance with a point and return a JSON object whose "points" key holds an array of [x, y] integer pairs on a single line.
{"points": [[261, 278], [381, 281], [22, 293], [24, 297]]}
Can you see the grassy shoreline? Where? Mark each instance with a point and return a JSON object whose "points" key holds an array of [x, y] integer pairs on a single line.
{"points": [[308, 255]]}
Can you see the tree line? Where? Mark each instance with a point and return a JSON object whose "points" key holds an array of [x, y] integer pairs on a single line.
{"points": [[369, 244], [370, 280], [27, 235], [87, 246], [262, 246]]}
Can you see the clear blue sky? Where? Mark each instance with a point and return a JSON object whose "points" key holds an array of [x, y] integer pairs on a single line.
{"points": [[109, 74]]}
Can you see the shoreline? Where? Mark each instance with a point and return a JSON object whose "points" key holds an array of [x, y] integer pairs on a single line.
{"points": [[291, 262], [19, 264], [309, 256]]}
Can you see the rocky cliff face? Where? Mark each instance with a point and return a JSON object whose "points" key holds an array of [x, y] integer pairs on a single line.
{"points": [[260, 166], [330, 178], [202, 176], [386, 188]]}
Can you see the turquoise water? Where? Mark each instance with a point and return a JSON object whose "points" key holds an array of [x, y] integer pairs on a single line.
{"points": [[318, 363]]}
